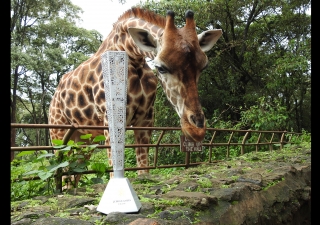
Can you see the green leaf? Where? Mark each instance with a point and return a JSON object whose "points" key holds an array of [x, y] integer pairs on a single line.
{"points": [[61, 165], [45, 155], [82, 164], [73, 164], [97, 180], [99, 138], [90, 147], [31, 172], [79, 170], [57, 142], [43, 152], [93, 146], [67, 148], [25, 153], [43, 168], [99, 167], [70, 142], [44, 175], [86, 136], [22, 182]]}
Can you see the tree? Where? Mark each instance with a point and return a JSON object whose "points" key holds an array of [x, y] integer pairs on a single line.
{"points": [[45, 44]]}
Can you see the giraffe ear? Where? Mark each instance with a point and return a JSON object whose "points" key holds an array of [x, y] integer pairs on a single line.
{"points": [[208, 38], [143, 39]]}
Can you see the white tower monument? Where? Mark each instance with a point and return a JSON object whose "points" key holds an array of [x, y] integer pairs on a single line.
{"points": [[119, 195]]}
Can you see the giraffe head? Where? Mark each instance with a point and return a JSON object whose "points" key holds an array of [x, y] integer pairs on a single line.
{"points": [[179, 60]]}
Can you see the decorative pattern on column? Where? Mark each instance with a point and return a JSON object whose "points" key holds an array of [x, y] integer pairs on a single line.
{"points": [[115, 74]]}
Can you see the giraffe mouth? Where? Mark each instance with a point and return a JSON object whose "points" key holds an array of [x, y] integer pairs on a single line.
{"points": [[193, 131]]}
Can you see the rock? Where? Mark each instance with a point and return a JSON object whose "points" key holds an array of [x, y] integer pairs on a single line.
{"points": [[99, 188], [24, 221], [227, 194], [121, 218], [43, 199], [147, 208], [70, 202], [144, 221], [60, 221], [115, 217], [263, 191]]}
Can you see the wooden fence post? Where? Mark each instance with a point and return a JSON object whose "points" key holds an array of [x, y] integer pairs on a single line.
{"points": [[228, 147], [257, 144], [155, 160], [282, 139], [58, 175], [243, 142], [210, 147], [270, 145], [187, 160]]}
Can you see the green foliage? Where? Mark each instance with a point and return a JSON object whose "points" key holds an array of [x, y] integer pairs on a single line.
{"points": [[266, 115], [71, 157], [272, 183], [167, 172], [305, 137], [99, 163], [28, 165], [21, 190], [78, 157], [158, 202], [204, 182]]}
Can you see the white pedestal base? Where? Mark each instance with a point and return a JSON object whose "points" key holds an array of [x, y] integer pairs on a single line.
{"points": [[119, 196]]}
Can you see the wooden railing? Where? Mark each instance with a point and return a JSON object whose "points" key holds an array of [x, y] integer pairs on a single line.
{"points": [[232, 137]]}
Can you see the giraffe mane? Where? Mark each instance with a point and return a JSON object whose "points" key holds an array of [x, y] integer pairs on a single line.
{"points": [[143, 14]]}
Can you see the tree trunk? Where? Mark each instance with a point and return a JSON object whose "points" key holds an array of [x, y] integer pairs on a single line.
{"points": [[14, 110]]}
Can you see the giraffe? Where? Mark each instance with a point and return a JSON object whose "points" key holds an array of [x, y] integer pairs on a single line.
{"points": [[179, 58]]}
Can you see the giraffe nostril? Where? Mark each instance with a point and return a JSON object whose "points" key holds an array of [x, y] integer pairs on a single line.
{"points": [[199, 124], [197, 120]]}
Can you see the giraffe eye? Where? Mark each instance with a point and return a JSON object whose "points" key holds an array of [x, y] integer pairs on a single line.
{"points": [[161, 69]]}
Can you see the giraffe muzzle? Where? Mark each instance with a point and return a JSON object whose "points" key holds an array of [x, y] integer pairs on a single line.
{"points": [[193, 127]]}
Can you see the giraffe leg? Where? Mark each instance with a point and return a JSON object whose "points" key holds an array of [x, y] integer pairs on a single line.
{"points": [[142, 159], [142, 153]]}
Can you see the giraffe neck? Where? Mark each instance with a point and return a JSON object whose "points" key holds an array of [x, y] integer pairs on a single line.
{"points": [[177, 103]]}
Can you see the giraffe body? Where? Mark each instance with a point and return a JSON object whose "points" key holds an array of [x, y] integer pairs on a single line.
{"points": [[179, 57]]}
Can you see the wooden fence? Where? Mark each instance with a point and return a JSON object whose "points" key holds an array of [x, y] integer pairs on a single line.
{"points": [[231, 137]]}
